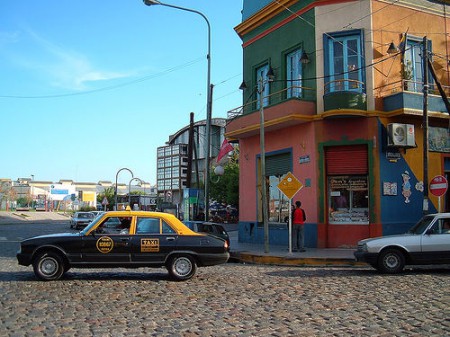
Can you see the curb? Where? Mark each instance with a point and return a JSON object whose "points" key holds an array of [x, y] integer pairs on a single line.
{"points": [[244, 257]]}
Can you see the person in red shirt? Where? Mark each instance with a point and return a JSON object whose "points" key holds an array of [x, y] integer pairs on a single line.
{"points": [[298, 230]]}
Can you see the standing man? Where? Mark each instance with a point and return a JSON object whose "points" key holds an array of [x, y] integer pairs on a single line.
{"points": [[298, 231]]}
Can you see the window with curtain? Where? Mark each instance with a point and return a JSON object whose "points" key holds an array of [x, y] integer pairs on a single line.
{"points": [[294, 74], [344, 62]]}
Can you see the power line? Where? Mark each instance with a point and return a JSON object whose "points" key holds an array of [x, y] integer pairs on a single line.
{"points": [[112, 87]]}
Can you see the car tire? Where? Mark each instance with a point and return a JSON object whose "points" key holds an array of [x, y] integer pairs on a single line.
{"points": [[182, 267], [391, 261], [48, 266]]}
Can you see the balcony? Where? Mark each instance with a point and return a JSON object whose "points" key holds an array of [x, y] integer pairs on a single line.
{"points": [[280, 112], [344, 95], [407, 96]]}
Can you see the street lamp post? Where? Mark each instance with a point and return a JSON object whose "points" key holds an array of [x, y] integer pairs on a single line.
{"points": [[261, 85], [129, 189], [115, 189], [208, 97]]}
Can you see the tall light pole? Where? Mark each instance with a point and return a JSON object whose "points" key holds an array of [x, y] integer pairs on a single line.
{"points": [[208, 97], [115, 189], [129, 189], [263, 182]]}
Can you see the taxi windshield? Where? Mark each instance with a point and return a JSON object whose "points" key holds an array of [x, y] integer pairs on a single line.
{"points": [[422, 225], [91, 224]]}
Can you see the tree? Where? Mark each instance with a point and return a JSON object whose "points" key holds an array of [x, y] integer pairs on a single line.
{"points": [[109, 194], [225, 189]]}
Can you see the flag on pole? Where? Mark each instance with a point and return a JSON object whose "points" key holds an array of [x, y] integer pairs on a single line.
{"points": [[402, 45], [224, 149]]}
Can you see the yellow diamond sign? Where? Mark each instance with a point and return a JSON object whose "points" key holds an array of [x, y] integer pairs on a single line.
{"points": [[290, 185]]}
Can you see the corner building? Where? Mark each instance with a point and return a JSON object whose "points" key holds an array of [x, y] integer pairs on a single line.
{"points": [[343, 114]]}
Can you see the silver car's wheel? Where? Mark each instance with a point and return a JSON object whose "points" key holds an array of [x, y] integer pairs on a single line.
{"points": [[182, 267], [48, 266], [391, 261]]}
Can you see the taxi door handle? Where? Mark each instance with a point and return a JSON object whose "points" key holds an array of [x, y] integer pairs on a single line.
{"points": [[170, 238], [125, 239]]}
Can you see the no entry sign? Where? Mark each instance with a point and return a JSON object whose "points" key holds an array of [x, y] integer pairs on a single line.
{"points": [[438, 186]]}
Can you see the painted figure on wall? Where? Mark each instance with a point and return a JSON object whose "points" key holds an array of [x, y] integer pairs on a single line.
{"points": [[406, 186]]}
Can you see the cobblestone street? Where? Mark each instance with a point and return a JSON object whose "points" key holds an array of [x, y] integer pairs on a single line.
{"points": [[226, 300]]}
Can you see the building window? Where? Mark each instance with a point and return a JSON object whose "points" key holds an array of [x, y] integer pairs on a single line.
{"points": [[262, 79], [294, 74], [347, 184], [344, 62], [348, 199], [277, 166], [412, 65]]}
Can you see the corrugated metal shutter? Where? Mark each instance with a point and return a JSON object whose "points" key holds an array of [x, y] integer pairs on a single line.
{"points": [[279, 164], [351, 159]]}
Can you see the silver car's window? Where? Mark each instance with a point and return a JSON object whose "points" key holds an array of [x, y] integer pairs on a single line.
{"points": [[421, 226], [441, 226]]}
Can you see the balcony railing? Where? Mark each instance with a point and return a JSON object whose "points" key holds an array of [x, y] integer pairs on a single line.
{"points": [[298, 93], [407, 94], [409, 86], [344, 85]]}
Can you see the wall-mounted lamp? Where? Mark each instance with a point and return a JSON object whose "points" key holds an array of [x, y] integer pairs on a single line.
{"points": [[304, 58], [243, 86], [270, 74], [392, 49]]}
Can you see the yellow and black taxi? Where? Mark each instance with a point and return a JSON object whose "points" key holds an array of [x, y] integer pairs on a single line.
{"points": [[125, 239]]}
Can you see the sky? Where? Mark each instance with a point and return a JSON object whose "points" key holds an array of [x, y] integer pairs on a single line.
{"points": [[88, 87]]}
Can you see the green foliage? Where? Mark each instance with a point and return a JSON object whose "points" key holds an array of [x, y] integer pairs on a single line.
{"points": [[22, 202], [225, 189], [109, 194]]}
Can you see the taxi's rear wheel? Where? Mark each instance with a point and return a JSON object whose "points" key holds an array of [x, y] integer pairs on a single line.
{"points": [[48, 266], [182, 267]]}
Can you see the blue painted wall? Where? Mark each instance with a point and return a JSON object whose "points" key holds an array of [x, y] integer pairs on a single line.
{"points": [[250, 7], [397, 216], [250, 232]]}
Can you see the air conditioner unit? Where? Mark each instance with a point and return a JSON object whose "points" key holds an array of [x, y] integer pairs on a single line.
{"points": [[401, 135]]}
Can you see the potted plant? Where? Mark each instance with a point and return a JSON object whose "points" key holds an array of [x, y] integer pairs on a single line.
{"points": [[406, 73]]}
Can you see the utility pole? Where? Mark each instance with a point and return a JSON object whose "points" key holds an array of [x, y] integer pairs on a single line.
{"points": [[190, 150], [425, 124]]}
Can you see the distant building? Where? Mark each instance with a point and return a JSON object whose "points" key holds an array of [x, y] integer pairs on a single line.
{"points": [[173, 159]]}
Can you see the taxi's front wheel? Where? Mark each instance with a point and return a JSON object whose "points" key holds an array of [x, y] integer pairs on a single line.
{"points": [[182, 267], [48, 266]]}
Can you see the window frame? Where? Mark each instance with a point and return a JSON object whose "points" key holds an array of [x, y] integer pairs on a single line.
{"points": [[329, 62]]}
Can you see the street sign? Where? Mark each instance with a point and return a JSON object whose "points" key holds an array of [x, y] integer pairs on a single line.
{"points": [[438, 186], [290, 185], [105, 201]]}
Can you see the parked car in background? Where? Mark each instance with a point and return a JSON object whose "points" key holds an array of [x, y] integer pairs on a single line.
{"points": [[153, 239], [80, 220], [427, 242], [96, 213], [210, 228]]}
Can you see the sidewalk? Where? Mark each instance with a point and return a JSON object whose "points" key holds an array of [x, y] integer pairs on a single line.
{"points": [[279, 255]]}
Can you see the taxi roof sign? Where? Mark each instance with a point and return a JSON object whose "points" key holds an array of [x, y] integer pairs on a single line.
{"points": [[290, 185]]}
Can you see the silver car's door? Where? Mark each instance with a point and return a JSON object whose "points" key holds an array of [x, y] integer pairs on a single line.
{"points": [[436, 243]]}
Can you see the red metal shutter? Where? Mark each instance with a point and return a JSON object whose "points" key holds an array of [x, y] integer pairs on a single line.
{"points": [[349, 159]]}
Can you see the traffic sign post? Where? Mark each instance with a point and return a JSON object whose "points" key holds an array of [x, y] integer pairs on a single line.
{"points": [[290, 185], [438, 187]]}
